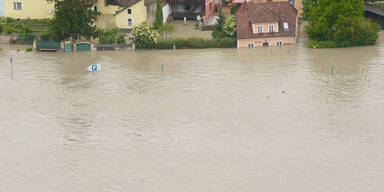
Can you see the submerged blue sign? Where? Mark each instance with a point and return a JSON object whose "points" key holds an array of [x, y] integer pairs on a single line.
{"points": [[94, 67]]}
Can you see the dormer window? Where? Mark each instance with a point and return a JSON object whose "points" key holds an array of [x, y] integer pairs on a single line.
{"points": [[286, 27], [259, 29], [270, 27]]}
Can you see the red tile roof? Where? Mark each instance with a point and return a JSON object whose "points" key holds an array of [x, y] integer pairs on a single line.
{"points": [[265, 13]]}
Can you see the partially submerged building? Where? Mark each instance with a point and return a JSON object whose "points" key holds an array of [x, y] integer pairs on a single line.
{"points": [[266, 24]]}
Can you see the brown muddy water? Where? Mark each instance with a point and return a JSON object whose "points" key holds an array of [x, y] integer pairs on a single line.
{"points": [[216, 120]]}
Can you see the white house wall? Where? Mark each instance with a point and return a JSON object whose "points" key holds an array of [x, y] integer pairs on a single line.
{"points": [[167, 10]]}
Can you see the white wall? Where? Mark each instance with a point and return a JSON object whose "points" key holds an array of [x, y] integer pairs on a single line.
{"points": [[167, 10]]}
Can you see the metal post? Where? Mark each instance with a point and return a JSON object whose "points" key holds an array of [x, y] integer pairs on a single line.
{"points": [[174, 47], [11, 61]]}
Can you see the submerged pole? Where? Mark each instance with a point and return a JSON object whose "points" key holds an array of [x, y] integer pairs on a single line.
{"points": [[162, 67], [11, 61], [332, 69]]}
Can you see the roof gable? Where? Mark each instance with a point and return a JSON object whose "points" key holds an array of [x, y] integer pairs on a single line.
{"points": [[262, 14]]}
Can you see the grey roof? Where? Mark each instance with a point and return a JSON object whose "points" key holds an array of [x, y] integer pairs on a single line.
{"points": [[372, 9]]}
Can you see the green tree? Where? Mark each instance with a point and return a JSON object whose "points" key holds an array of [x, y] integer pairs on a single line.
{"points": [[159, 15], [229, 27], [308, 5], [218, 32], [166, 29], [342, 22], [73, 20]]}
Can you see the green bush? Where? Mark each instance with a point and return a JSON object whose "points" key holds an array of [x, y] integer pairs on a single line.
{"points": [[109, 36], [10, 20], [121, 40], [1, 28], [107, 40], [229, 27], [29, 37], [145, 37], [321, 44], [26, 30], [195, 43], [28, 49], [9, 30], [45, 21]]}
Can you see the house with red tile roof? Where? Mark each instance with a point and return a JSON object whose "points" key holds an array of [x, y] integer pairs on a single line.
{"points": [[266, 24]]}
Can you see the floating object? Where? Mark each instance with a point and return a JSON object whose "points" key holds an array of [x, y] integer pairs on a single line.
{"points": [[283, 92], [94, 67]]}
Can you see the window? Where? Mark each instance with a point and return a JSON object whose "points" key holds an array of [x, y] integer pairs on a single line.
{"points": [[286, 27], [130, 22], [270, 27], [260, 29], [250, 45], [129, 11], [17, 6]]}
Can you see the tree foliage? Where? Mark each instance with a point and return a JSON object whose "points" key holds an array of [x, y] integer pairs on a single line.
{"points": [[73, 19], [229, 27], [308, 5], [342, 22], [159, 15], [166, 29], [108, 36]]}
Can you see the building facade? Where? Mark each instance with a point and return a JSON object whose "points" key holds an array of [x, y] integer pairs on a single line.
{"points": [[28, 9], [266, 24], [132, 14], [123, 14]]}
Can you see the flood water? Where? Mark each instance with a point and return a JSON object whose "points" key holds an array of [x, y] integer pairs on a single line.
{"points": [[215, 120]]}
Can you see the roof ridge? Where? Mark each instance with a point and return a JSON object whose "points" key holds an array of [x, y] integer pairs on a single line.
{"points": [[126, 7], [269, 9]]}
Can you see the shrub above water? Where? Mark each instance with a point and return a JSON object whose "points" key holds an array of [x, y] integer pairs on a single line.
{"points": [[195, 43], [145, 37]]}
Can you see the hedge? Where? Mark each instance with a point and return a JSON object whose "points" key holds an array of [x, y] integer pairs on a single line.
{"points": [[195, 43], [333, 44]]}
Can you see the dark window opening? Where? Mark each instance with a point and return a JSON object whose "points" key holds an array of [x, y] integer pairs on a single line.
{"points": [[187, 7]]}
